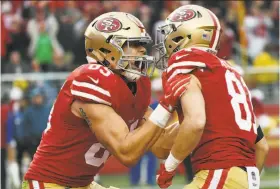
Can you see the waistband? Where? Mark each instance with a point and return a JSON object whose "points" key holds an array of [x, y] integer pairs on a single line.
{"points": [[243, 168]]}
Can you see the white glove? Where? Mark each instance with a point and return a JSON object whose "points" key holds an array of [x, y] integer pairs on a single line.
{"points": [[13, 174]]}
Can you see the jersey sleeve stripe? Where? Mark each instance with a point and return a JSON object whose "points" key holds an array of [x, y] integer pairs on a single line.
{"points": [[91, 86], [179, 71], [188, 64], [217, 33], [89, 96]]}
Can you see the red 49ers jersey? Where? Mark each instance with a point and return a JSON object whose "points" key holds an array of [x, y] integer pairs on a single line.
{"points": [[69, 153], [230, 131]]}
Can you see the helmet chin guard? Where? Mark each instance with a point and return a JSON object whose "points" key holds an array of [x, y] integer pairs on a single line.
{"points": [[135, 66]]}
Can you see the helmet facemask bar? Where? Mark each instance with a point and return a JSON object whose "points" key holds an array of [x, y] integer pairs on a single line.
{"points": [[140, 65], [160, 49]]}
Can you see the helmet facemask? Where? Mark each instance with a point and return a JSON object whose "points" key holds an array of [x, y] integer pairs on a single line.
{"points": [[135, 66], [113, 57], [161, 52]]}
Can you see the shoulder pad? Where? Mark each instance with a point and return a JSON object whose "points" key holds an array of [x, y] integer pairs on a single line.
{"points": [[187, 60], [93, 84]]}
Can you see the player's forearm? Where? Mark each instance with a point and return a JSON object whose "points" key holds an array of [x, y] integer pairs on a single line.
{"points": [[161, 148], [260, 159], [137, 142], [187, 139], [261, 153], [141, 140]]}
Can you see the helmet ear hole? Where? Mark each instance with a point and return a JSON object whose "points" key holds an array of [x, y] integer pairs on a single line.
{"points": [[90, 50], [93, 23], [105, 51], [177, 39]]}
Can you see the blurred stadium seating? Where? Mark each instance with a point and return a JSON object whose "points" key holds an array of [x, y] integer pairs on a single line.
{"points": [[250, 40]]}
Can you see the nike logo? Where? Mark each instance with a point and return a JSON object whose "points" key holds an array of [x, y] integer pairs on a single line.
{"points": [[179, 57], [96, 81], [166, 96]]}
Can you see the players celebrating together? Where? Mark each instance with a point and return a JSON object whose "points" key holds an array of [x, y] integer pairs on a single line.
{"points": [[103, 108]]}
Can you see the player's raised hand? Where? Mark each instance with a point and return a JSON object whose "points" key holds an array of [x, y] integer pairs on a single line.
{"points": [[173, 89], [164, 178]]}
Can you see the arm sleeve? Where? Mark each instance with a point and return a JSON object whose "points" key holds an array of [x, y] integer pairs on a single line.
{"points": [[93, 87]]}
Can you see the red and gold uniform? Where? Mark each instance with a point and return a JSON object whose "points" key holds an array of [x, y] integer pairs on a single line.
{"points": [[69, 153], [229, 135]]}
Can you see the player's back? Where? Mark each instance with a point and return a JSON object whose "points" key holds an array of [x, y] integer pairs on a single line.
{"points": [[69, 153], [230, 131]]}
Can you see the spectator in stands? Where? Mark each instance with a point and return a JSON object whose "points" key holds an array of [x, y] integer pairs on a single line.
{"points": [[226, 41], [59, 64], [273, 12], [13, 173], [109, 6], [79, 28], [265, 59], [14, 124], [67, 17], [44, 48], [19, 39], [35, 120], [16, 65], [48, 87], [7, 13], [145, 13], [35, 27], [129, 7], [257, 25]]}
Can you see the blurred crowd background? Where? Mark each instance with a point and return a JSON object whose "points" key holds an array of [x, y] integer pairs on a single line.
{"points": [[42, 41]]}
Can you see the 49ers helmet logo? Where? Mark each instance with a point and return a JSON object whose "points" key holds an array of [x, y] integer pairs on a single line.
{"points": [[108, 25], [182, 15]]}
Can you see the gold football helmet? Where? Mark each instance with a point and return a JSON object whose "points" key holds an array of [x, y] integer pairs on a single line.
{"points": [[187, 26], [108, 33]]}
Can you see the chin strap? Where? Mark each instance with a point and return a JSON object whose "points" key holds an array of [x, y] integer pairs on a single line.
{"points": [[91, 60], [131, 77]]}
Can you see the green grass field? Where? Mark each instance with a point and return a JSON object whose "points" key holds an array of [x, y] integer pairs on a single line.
{"points": [[269, 180]]}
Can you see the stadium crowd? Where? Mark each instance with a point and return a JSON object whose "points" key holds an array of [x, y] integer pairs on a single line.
{"points": [[48, 36]]}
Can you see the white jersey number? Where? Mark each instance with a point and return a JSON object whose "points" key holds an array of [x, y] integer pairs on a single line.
{"points": [[103, 70], [240, 99], [90, 155]]}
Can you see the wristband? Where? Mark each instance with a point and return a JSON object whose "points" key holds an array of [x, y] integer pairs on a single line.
{"points": [[171, 163], [160, 116]]}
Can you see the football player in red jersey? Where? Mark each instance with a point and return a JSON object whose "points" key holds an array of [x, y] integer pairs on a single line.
{"points": [[217, 124], [103, 108]]}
